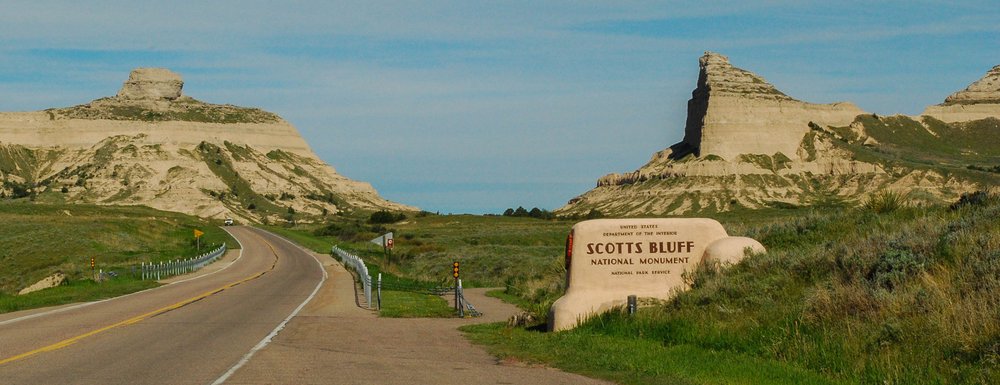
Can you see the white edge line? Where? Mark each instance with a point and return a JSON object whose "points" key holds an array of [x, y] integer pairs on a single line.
{"points": [[260, 345], [85, 304]]}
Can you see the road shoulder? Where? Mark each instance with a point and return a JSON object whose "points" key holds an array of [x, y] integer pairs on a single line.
{"points": [[335, 341]]}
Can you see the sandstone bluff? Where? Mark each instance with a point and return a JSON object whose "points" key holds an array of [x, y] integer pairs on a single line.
{"points": [[152, 145], [748, 145]]}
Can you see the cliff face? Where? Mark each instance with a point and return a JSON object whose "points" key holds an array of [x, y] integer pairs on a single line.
{"points": [[748, 145], [980, 100], [151, 145], [733, 111]]}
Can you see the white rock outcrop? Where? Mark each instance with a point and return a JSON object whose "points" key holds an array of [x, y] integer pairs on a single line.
{"points": [[748, 145], [47, 282], [96, 155], [980, 100], [152, 84], [733, 111]]}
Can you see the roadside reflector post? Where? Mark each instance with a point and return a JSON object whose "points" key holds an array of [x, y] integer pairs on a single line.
{"points": [[379, 291], [454, 273], [631, 304], [461, 309]]}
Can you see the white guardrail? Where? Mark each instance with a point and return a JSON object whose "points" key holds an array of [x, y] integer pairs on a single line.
{"points": [[165, 269], [355, 262]]}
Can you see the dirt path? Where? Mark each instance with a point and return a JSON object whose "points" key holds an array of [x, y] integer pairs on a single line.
{"points": [[334, 341]]}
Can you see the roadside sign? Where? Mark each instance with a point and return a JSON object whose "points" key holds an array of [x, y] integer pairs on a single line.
{"points": [[454, 269], [383, 240], [198, 233]]}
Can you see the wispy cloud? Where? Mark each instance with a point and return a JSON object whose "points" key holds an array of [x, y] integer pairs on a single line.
{"points": [[443, 103]]}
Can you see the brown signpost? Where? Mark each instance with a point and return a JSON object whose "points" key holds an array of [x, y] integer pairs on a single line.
{"points": [[608, 260]]}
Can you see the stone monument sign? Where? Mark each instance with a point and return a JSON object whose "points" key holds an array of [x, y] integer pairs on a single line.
{"points": [[608, 260]]}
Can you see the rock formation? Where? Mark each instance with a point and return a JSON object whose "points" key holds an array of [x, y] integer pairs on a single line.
{"points": [[748, 145], [980, 100], [734, 112], [152, 84], [152, 146]]}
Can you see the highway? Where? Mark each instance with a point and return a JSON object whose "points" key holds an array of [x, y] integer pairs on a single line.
{"points": [[192, 332]]}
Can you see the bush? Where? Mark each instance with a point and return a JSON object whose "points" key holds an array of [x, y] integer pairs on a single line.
{"points": [[886, 201], [977, 198], [383, 216], [894, 267]]}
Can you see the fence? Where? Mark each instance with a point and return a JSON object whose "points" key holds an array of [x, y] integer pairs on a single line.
{"points": [[166, 269], [464, 308], [355, 263]]}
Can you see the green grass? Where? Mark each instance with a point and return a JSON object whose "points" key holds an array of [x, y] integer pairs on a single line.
{"points": [[39, 240], [302, 238], [183, 109], [401, 304], [78, 290], [492, 249], [902, 296], [636, 360], [395, 303]]}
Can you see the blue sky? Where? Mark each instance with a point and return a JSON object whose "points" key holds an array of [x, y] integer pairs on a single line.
{"points": [[473, 107]]}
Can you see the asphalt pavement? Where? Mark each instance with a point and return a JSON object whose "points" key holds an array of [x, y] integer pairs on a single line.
{"points": [[189, 332]]}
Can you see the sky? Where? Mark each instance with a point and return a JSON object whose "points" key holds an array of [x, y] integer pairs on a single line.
{"points": [[476, 106]]}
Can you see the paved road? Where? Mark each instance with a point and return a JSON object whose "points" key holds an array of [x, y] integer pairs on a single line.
{"points": [[189, 332]]}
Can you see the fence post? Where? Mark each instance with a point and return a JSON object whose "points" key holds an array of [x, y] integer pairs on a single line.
{"points": [[368, 290], [459, 297]]}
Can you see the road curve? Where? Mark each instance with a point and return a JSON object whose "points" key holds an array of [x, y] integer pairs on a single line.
{"points": [[191, 332]]}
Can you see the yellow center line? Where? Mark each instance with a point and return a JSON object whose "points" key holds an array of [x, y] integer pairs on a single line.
{"points": [[140, 318]]}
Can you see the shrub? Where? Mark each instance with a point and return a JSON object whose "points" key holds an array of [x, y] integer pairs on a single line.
{"points": [[977, 198], [384, 216], [885, 201], [894, 267], [594, 214]]}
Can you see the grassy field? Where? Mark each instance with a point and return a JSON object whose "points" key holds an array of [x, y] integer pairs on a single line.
{"points": [[402, 304], [885, 293], [875, 295], [38, 240], [397, 303]]}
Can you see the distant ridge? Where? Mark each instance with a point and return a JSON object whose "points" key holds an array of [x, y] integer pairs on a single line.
{"points": [[748, 145], [151, 145]]}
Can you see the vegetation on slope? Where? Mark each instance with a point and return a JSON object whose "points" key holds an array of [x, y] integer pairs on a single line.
{"points": [[184, 109], [925, 144], [38, 240], [885, 294]]}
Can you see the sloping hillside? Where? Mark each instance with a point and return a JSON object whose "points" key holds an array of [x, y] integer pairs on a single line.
{"points": [[748, 145], [150, 145]]}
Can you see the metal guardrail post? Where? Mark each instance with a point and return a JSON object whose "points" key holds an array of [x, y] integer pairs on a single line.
{"points": [[165, 269], [459, 297], [358, 265]]}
